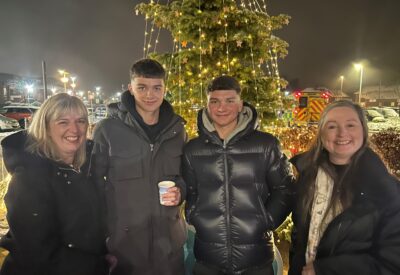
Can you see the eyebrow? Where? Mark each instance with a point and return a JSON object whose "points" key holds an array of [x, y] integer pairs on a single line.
{"points": [[348, 120], [216, 98]]}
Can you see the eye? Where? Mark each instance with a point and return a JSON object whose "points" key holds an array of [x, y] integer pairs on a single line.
{"points": [[62, 122], [330, 127], [213, 101], [231, 101], [82, 121]]}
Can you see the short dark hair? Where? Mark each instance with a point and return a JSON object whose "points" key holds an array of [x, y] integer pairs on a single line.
{"points": [[147, 68], [224, 82]]}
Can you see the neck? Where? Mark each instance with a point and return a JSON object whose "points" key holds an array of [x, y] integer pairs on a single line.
{"points": [[69, 160], [150, 118], [224, 132]]}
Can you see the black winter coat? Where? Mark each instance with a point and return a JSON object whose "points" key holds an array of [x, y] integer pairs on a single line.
{"points": [[54, 214], [237, 193], [364, 238], [142, 233]]}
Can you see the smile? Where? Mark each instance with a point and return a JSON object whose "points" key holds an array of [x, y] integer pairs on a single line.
{"points": [[72, 138], [343, 142]]}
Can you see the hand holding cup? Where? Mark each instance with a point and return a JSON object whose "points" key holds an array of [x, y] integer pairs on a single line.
{"points": [[170, 195]]}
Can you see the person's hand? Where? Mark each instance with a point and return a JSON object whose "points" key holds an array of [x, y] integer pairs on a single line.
{"points": [[112, 261], [308, 269], [172, 197]]}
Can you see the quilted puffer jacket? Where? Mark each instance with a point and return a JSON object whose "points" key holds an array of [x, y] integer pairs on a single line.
{"points": [[237, 193]]}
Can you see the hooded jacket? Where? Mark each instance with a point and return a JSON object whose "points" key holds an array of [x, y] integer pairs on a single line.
{"points": [[365, 237], [238, 191], [54, 214], [141, 231]]}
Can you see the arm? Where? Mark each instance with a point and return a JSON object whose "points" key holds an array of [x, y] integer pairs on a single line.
{"points": [[33, 237], [176, 195], [280, 183], [382, 258], [191, 186]]}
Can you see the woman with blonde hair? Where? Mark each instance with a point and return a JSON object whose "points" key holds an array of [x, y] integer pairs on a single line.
{"points": [[347, 213], [54, 209]]}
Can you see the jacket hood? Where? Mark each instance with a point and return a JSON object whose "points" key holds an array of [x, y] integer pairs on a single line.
{"points": [[14, 153], [247, 123]]}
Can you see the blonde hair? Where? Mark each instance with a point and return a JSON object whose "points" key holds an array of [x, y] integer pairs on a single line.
{"points": [[39, 141]]}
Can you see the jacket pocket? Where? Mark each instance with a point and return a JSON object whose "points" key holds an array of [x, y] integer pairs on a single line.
{"points": [[172, 161], [126, 166]]}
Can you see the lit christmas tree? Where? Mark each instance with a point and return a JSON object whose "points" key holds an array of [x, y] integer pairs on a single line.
{"points": [[216, 37]]}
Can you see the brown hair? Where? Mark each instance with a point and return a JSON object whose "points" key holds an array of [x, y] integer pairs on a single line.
{"points": [[317, 157]]}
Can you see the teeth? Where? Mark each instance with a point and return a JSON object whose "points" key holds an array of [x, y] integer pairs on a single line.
{"points": [[72, 138], [343, 142]]}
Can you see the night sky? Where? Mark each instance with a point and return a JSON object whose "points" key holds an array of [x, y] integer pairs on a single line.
{"points": [[98, 40]]}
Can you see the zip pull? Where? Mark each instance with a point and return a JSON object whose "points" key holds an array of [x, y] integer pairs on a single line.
{"points": [[151, 147]]}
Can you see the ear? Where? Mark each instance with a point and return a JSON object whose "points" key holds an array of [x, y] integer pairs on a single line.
{"points": [[240, 106], [130, 88]]}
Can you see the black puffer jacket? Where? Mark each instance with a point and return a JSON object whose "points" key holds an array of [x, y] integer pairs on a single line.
{"points": [[55, 216], [365, 238], [237, 192]]}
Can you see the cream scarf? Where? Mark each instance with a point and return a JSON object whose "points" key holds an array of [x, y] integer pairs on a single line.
{"points": [[319, 221]]}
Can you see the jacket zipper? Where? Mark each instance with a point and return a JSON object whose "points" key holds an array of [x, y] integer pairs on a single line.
{"points": [[228, 217]]}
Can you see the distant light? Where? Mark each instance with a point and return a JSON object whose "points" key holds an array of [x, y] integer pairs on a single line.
{"points": [[29, 88], [358, 66]]}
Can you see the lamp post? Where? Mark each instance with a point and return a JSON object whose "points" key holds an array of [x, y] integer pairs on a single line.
{"points": [[359, 67], [64, 79], [341, 83], [73, 84], [29, 89], [98, 94]]}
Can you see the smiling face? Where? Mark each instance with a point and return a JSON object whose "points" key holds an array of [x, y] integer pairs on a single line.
{"points": [[342, 134], [148, 93], [223, 108], [68, 133]]}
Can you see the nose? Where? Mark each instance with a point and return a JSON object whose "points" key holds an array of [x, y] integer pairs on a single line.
{"points": [[74, 127], [342, 131], [221, 105]]}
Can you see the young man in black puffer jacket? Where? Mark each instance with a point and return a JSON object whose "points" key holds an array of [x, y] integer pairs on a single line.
{"points": [[238, 186]]}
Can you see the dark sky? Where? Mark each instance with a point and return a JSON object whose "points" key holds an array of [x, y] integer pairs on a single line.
{"points": [[98, 40]]}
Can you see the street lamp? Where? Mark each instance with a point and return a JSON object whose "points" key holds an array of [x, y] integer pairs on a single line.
{"points": [[341, 83], [29, 89], [64, 79], [73, 84], [98, 94], [359, 67]]}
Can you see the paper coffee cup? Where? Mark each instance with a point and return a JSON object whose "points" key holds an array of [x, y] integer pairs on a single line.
{"points": [[163, 188]]}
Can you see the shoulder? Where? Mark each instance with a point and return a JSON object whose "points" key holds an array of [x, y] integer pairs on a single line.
{"points": [[300, 161], [194, 143], [374, 179]]}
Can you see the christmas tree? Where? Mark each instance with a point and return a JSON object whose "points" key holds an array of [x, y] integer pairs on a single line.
{"points": [[216, 37]]}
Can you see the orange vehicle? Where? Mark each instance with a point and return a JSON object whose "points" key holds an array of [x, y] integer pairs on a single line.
{"points": [[310, 104]]}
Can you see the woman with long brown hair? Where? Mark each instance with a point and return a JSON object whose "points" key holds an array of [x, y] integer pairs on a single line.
{"points": [[347, 210]]}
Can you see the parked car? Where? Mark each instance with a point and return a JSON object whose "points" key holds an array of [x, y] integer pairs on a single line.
{"points": [[8, 124], [19, 112], [100, 112], [388, 112], [374, 115]]}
